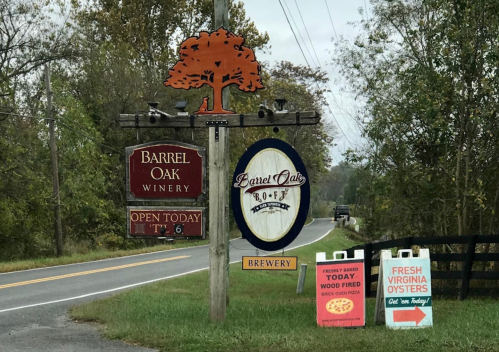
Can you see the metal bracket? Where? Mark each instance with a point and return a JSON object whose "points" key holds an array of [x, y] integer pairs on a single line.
{"points": [[241, 120], [298, 118], [191, 121], [136, 120], [216, 124]]}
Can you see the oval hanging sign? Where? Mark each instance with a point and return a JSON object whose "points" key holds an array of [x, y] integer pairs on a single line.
{"points": [[270, 194]]}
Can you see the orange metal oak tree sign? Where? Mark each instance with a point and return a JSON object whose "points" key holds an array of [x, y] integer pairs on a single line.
{"points": [[217, 59]]}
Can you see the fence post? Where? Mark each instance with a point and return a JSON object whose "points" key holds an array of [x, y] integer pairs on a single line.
{"points": [[301, 278], [407, 243], [368, 258], [468, 265]]}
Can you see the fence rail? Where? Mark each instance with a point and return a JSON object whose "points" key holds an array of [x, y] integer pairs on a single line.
{"points": [[469, 256]]}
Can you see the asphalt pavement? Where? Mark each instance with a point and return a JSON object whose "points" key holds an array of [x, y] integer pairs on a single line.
{"points": [[34, 303]]}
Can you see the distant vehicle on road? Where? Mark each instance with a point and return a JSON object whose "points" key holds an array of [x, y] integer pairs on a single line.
{"points": [[342, 210]]}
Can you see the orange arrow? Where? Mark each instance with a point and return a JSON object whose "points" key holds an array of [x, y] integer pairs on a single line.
{"points": [[404, 316]]}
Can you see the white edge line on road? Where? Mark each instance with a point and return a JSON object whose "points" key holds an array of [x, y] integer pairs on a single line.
{"points": [[320, 238], [140, 283], [102, 292], [310, 222]]}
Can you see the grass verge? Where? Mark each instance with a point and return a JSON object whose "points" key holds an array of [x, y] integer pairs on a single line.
{"points": [[265, 314]]}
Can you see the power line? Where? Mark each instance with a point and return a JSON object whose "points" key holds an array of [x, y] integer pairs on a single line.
{"points": [[319, 64], [308, 64], [18, 108], [299, 32], [313, 47], [292, 30], [22, 115], [339, 126], [88, 137], [331, 18], [308, 34], [47, 118]]}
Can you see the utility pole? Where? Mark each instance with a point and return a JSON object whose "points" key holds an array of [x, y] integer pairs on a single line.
{"points": [[55, 169], [218, 153]]}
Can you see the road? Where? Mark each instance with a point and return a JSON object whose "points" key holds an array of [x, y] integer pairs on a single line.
{"points": [[34, 303]]}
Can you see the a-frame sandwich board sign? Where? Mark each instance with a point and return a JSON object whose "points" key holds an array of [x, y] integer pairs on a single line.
{"points": [[403, 298], [340, 290]]}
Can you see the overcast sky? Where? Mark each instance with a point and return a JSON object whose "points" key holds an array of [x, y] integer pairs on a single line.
{"points": [[324, 20]]}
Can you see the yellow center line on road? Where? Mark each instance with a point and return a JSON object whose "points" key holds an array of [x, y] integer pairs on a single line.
{"points": [[22, 283]]}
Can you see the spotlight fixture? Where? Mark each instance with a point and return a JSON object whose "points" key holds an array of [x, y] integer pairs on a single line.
{"points": [[153, 105], [180, 106], [264, 110], [280, 103], [152, 117], [154, 112], [261, 113], [268, 111]]}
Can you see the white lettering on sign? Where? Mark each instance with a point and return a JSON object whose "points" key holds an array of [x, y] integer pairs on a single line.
{"points": [[158, 173], [163, 158], [166, 188]]}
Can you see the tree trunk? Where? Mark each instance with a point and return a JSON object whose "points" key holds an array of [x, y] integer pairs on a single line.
{"points": [[217, 99]]}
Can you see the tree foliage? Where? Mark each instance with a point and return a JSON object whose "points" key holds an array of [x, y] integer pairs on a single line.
{"points": [[427, 70], [119, 58], [29, 38]]}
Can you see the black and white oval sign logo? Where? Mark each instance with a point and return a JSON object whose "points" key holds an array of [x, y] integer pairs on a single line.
{"points": [[270, 194]]}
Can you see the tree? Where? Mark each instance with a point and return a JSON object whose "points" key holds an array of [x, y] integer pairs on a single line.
{"points": [[29, 38], [119, 51], [32, 33], [427, 71], [298, 85], [217, 59]]}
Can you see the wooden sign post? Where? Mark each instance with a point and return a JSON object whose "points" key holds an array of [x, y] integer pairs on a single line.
{"points": [[219, 196], [218, 182], [219, 222], [216, 60]]}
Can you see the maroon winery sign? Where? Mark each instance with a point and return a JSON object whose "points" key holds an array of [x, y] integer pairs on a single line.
{"points": [[165, 170], [146, 222]]}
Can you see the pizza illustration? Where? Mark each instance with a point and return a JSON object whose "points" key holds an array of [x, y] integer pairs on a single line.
{"points": [[339, 306]]}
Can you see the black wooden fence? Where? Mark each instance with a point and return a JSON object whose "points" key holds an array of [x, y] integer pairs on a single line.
{"points": [[477, 277]]}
